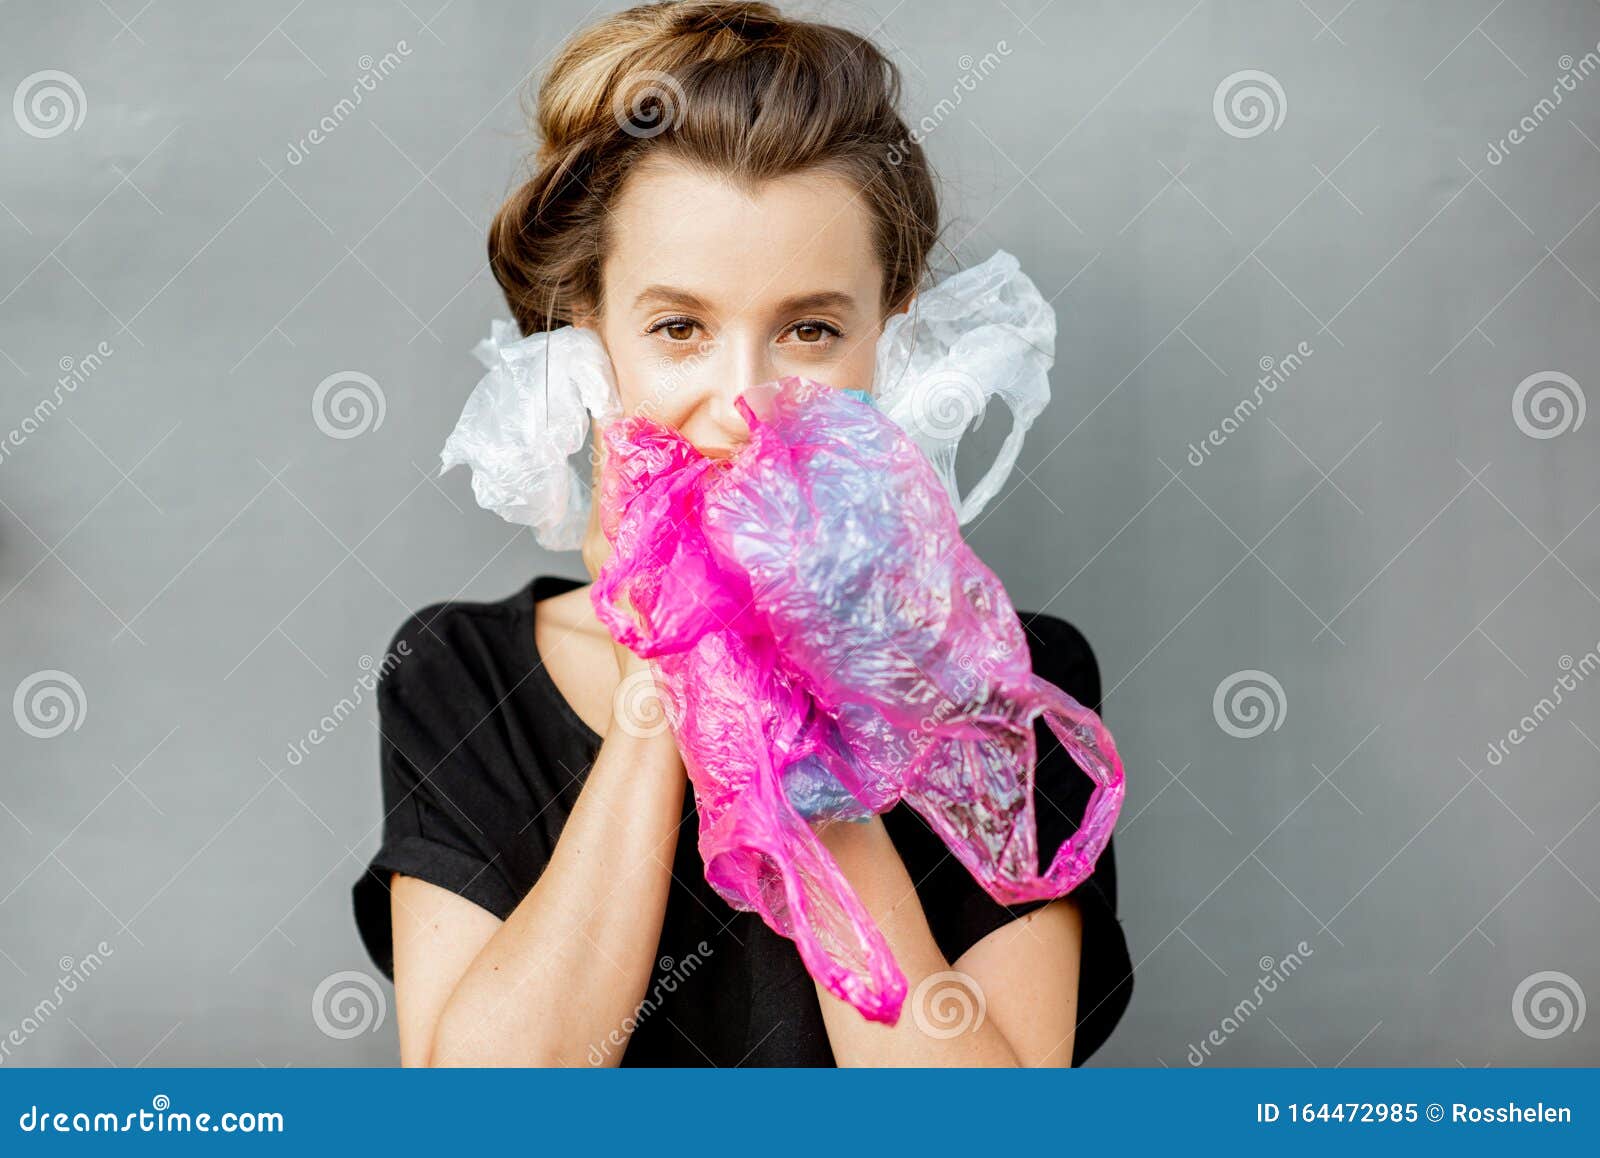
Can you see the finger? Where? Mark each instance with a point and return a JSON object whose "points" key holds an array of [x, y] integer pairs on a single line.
{"points": [[598, 458]]}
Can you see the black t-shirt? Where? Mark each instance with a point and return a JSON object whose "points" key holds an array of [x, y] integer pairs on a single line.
{"points": [[482, 759]]}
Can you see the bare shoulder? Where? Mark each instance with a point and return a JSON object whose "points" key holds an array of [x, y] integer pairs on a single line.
{"points": [[570, 610]]}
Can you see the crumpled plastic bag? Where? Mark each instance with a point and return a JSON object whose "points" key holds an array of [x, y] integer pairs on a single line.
{"points": [[527, 419], [982, 332], [825, 644]]}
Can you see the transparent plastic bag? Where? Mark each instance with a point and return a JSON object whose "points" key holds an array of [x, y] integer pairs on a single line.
{"points": [[526, 420], [826, 645]]}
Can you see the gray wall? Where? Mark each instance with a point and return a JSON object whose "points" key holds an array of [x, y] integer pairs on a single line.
{"points": [[1394, 536]]}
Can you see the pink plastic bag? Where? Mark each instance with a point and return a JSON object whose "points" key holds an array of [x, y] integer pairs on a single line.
{"points": [[826, 644]]}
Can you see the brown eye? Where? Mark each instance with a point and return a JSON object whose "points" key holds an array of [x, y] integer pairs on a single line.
{"points": [[813, 333], [678, 330]]}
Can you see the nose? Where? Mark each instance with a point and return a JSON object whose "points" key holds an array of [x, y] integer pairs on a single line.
{"points": [[737, 365]]}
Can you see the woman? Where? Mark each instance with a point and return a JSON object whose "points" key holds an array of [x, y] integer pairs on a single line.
{"points": [[539, 898]]}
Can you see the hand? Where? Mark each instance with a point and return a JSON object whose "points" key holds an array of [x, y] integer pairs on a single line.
{"points": [[596, 549]]}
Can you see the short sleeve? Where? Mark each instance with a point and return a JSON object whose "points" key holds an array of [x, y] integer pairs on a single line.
{"points": [[960, 913], [443, 773]]}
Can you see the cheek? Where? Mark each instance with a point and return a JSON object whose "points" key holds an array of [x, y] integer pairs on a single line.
{"points": [[658, 386], [849, 366]]}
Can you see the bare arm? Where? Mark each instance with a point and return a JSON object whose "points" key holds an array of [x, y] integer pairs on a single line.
{"points": [[1023, 977], [573, 960], [553, 984]]}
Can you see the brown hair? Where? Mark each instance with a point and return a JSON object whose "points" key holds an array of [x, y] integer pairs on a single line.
{"points": [[733, 86]]}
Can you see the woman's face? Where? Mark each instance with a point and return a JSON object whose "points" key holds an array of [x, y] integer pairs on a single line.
{"points": [[710, 289]]}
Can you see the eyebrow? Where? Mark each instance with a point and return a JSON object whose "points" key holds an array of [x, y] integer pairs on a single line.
{"points": [[816, 300]]}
